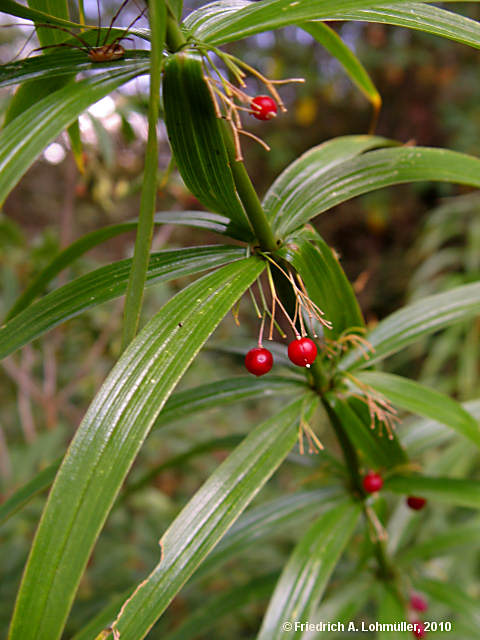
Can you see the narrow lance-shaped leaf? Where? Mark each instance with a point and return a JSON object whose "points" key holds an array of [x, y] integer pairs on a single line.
{"points": [[421, 17], [447, 543], [262, 522], [391, 610], [64, 63], [105, 284], [201, 219], [207, 517], [374, 447], [24, 138], [210, 613], [405, 326], [357, 73], [310, 166], [371, 171], [178, 406], [325, 281], [107, 441], [196, 138], [427, 402], [21, 497], [456, 491], [257, 524], [221, 22], [224, 392], [459, 601], [21, 11], [308, 570]]}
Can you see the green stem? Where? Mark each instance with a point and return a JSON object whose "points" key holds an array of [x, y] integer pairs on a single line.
{"points": [[248, 196], [349, 453], [174, 37], [143, 240]]}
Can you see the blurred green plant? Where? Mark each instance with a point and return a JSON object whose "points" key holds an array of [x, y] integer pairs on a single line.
{"points": [[369, 540]]}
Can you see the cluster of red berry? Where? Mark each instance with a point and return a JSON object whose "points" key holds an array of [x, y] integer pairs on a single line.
{"points": [[301, 351], [373, 482]]}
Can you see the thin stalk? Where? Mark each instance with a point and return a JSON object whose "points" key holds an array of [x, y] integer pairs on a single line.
{"points": [[174, 37], [143, 241], [248, 196]]}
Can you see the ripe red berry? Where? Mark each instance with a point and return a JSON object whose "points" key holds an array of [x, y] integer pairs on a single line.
{"points": [[372, 482], [302, 352], [418, 603], [419, 629], [259, 361], [264, 107], [416, 503]]}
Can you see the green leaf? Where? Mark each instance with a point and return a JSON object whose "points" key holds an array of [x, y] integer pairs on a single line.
{"points": [[20, 11], [224, 392], [460, 602], [221, 22], [107, 441], [65, 63], [326, 282], [24, 138], [176, 7], [143, 240], [450, 542], [260, 523], [25, 97], [212, 611], [263, 522], [178, 406], [207, 517], [457, 491], [321, 190], [198, 219], [308, 570], [22, 496], [418, 435], [196, 139], [201, 219], [64, 259], [422, 17], [391, 610], [418, 398], [287, 193], [374, 447], [104, 284], [357, 73], [343, 604], [405, 326]]}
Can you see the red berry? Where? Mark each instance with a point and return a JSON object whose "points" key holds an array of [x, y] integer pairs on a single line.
{"points": [[372, 482], [416, 503], [259, 361], [263, 107], [419, 629], [302, 352], [418, 603]]}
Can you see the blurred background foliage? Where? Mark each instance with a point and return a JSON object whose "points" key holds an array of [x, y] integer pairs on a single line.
{"points": [[396, 245]]}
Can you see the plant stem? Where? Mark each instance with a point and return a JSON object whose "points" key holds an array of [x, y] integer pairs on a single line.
{"points": [[143, 240], [349, 453], [174, 37], [248, 196]]}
